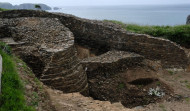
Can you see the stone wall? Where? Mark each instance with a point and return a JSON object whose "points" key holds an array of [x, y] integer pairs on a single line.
{"points": [[110, 63], [188, 20], [47, 46], [108, 36]]}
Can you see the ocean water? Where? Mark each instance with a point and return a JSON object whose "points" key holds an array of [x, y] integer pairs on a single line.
{"points": [[137, 14]]}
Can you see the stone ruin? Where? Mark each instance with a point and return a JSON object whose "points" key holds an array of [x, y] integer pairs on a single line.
{"points": [[95, 58]]}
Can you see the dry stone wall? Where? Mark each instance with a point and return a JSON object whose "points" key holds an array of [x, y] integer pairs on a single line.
{"points": [[47, 47], [110, 63], [109, 36]]}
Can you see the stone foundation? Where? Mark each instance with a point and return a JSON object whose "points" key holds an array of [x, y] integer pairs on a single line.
{"points": [[47, 47]]}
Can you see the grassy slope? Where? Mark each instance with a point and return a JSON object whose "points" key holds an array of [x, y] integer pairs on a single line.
{"points": [[12, 97], [179, 34], [2, 9]]}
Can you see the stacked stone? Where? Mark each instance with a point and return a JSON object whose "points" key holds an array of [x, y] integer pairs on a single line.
{"points": [[65, 73], [105, 36], [110, 63], [47, 47]]}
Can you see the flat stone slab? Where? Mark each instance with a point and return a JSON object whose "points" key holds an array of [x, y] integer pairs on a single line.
{"points": [[112, 56], [111, 62]]}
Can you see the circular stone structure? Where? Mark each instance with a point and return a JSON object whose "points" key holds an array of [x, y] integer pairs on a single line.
{"points": [[47, 47]]}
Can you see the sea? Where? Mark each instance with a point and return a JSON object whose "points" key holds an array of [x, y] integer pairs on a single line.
{"points": [[133, 14]]}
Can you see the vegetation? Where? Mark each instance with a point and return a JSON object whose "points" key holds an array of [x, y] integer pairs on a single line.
{"points": [[2, 9], [162, 107], [12, 96], [179, 34], [171, 72], [38, 7]]}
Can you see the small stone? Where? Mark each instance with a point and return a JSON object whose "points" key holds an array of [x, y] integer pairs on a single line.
{"points": [[20, 64], [28, 87], [139, 107]]}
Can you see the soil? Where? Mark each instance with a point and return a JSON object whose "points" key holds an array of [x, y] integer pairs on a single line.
{"points": [[77, 102], [35, 94], [180, 82]]}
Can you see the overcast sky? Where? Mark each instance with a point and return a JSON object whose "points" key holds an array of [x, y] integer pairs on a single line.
{"points": [[97, 2]]}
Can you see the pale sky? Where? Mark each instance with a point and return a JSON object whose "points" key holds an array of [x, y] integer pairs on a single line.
{"points": [[97, 2]]}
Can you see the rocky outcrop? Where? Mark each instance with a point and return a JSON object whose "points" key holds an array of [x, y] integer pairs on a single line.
{"points": [[56, 8], [108, 36], [23, 6], [6, 5], [47, 47], [188, 20]]}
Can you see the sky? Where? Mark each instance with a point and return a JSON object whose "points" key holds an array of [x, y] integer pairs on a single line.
{"points": [[97, 2]]}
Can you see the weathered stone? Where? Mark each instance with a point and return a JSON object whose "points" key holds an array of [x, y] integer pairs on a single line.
{"points": [[47, 47], [110, 63], [105, 36]]}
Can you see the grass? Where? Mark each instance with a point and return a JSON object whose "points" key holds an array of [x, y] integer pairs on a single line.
{"points": [[187, 100], [187, 83], [171, 72], [158, 83], [162, 107], [12, 96], [2, 9], [34, 96], [121, 85], [179, 34]]}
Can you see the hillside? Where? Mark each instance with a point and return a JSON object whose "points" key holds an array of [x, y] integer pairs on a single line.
{"points": [[23, 6]]}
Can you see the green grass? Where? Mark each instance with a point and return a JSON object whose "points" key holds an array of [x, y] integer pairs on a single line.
{"points": [[162, 107], [179, 34], [12, 96], [171, 72], [188, 85], [121, 86], [2, 9]]}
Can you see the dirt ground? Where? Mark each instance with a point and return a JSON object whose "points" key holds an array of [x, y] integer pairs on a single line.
{"points": [[77, 102], [35, 94], [180, 82]]}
